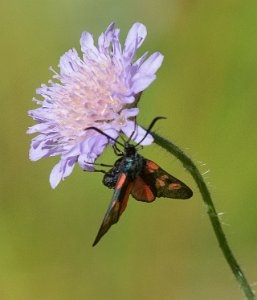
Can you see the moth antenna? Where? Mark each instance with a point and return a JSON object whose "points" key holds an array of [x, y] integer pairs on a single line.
{"points": [[123, 140], [149, 128], [134, 130], [105, 134]]}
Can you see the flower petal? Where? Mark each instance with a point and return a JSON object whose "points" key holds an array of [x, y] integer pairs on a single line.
{"points": [[138, 135], [41, 127], [129, 112], [134, 68], [140, 60], [88, 47], [68, 167], [104, 40], [86, 163], [141, 82], [73, 151], [127, 99], [117, 50], [69, 62], [90, 149], [61, 170], [56, 175], [141, 134], [152, 64], [37, 150], [134, 40], [37, 153]]}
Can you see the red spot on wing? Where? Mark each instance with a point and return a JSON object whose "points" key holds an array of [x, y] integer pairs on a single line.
{"points": [[159, 183], [141, 191], [121, 181], [164, 177], [152, 165], [174, 186]]}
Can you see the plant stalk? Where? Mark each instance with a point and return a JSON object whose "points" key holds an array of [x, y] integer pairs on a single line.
{"points": [[211, 211]]}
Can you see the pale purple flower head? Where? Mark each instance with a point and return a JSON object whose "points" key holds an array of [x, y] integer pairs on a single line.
{"points": [[99, 90]]}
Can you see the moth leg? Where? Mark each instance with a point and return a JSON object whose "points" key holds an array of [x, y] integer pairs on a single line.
{"points": [[102, 165], [117, 151], [99, 164], [95, 170], [100, 171]]}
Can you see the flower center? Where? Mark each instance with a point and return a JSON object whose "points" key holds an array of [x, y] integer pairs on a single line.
{"points": [[87, 96]]}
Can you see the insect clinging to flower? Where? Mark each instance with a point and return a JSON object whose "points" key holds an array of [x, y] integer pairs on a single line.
{"points": [[132, 174]]}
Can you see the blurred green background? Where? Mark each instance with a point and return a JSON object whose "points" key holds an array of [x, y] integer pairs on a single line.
{"points": [[207, 89]]}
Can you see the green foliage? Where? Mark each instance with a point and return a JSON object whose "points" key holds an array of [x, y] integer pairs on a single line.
{"points": [[164, 250]]}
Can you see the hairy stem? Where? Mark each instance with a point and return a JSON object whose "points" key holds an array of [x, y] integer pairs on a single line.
{"points": [[211, 211]]}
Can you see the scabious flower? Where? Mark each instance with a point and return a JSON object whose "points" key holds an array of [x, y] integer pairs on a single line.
{"points": [[100, 90]]}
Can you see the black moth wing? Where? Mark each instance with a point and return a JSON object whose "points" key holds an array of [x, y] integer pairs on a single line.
{"points": [[117, 206], [161, 184], [111, 177]]}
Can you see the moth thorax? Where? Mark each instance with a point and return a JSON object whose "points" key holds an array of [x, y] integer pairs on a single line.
{"points": [[130, 150]]}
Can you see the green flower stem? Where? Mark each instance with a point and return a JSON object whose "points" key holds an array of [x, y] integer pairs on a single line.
{"points": [[211, 211]]}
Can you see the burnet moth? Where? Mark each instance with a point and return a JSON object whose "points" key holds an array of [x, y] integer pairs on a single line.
{"points": [[132, 174]]}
